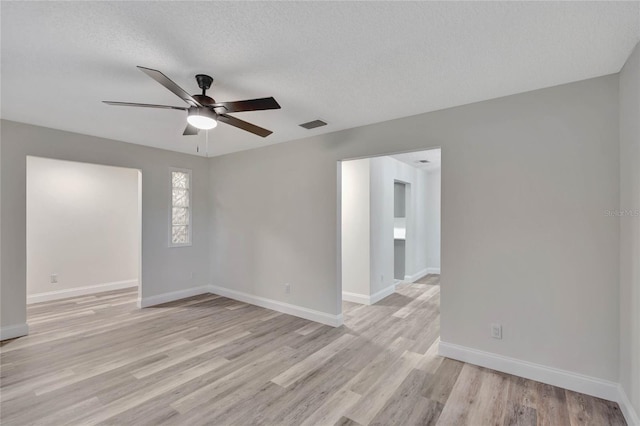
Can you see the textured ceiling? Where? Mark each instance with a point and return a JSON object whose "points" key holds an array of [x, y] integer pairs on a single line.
{"points": [[347, 63]]}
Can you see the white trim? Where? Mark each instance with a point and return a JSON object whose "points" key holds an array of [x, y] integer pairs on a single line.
{"points": [[376, 297], [13, 331], [286, 308], [159, 299], [365, 299], [549, 375], [627, 409], [415, 277], [433, 271], [79, 291]]}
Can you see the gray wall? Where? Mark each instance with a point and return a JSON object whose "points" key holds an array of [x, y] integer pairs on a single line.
{"points": [[630, 229], [399, 199], [399, 259], [432, 232], [164, 269], [356, 230], [525, 182]]}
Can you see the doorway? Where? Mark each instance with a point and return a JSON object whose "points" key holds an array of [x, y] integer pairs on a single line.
{"points": [[390, 230], [83, 231]]}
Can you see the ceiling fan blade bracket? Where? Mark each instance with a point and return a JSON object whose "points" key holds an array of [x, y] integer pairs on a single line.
{"points": [[204, 100]]}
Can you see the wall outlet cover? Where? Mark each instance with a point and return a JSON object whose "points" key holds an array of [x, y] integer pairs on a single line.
{"points": [[496, 331]]}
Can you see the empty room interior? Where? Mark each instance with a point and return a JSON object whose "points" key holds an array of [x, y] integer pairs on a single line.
{"points": [[83, 234], [320, 213]]}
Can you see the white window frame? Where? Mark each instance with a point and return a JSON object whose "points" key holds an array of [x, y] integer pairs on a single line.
{"points": [[190, 226]]}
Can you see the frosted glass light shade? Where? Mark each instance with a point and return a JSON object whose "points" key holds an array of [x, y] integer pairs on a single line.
{"points": [[202, 118]]}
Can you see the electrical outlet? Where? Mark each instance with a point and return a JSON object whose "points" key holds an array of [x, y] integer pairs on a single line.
{"points": [[287, 288], [54, 278], [382, 278], [496, 331]]}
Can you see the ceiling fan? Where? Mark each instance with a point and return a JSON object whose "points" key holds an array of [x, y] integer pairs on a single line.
{"points": [[203, 111]]}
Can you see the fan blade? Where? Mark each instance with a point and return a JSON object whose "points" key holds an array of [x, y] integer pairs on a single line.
{"points": [[248, 105], [144, 105], [169, 84], [240, 124], [190, 130]]}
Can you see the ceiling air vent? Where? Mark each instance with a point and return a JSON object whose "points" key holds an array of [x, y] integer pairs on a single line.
{"points": [[423, 161], [313, 124]]}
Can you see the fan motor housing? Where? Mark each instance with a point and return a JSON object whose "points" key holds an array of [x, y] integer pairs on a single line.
{"points": [[204, 99]]}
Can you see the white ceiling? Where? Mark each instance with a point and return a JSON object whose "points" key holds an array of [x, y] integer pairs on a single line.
{"points": [[433, 156], [348, 63]]}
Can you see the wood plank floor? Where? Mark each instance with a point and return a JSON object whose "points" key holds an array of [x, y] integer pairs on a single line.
{"points": [[211, 360]]}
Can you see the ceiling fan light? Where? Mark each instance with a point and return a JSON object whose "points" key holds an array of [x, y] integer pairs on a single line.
{"points": [[202, 118]]}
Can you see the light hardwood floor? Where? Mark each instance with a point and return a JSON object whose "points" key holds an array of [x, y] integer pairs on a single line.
{"points": [[211, 360]]}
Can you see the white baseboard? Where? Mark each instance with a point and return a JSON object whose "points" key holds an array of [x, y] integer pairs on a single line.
{"points": [[145, 302], [13, 331], [80, 291], [376, 297], [365, 299], [552, 376], [629, 413], [286, 308], [415, 277]]}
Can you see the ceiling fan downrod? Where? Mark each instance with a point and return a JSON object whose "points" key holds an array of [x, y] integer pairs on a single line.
{"points": [[204, 82]]}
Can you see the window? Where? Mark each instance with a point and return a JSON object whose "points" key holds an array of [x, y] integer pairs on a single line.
{"points": [[180, 230]]}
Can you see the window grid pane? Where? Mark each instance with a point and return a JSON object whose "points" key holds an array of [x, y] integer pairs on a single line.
{"points": [[180, 216], [180, 234], [180, 180], [180, 197], [180, 201]]}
